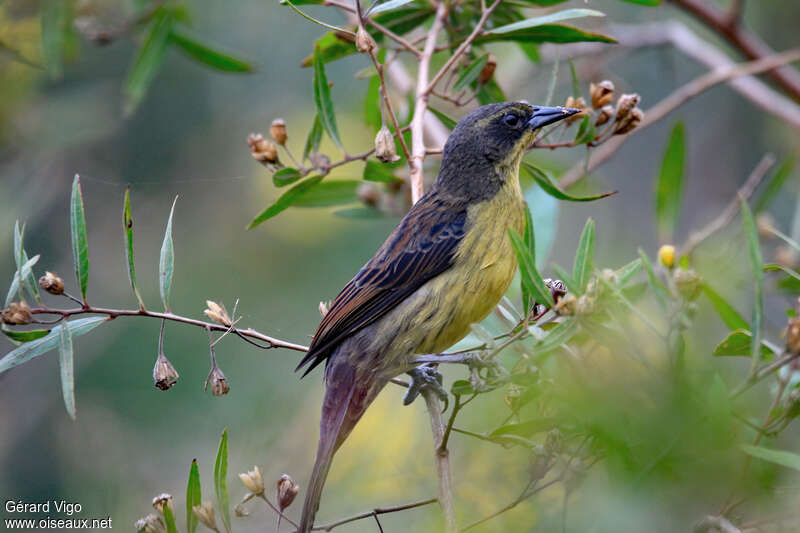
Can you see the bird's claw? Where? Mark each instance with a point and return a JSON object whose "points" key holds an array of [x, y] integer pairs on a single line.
{"points": [[423, 377]]}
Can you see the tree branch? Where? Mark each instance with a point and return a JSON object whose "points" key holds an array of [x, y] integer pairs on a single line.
{"points": [[375, 512], [442, 457]]}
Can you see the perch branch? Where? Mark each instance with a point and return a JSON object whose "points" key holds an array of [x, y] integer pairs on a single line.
{"points": [[375, 512]]}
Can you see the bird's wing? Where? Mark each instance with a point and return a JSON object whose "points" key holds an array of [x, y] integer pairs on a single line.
{"points": [[420, 248]]}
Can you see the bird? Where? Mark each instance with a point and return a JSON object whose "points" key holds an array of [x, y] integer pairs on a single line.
{"points": [[443, 268]]}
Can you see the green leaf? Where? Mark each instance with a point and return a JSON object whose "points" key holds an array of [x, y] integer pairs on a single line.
{"points": [[531, 279], [322, 100], [208, 55], [448, 122], [586, 131], [669, 188], [527, 428], [576, 84], [169, 519], [127, 229], [730, 316], [551, 188], [21, 257], [566, 277], [548, 33], [35, 348], [193, 496], [627, 272], [774, 267], [80, 243], [220, 481], [329, 193], [332, 46], [166, 261], [67, 367], [387, 6], [550, 18], [286, 176], [555, 337], [739, 342], [659, 289], [18, 275], [148, 60], [774, 185], [55, 25], [757, 267], [379, 172], [529, 239], [783, 458], [286, 199], [471, 73], [312, 19], [461, 387], [26, 336], [372, 103], [314, 138], [584, 256]]}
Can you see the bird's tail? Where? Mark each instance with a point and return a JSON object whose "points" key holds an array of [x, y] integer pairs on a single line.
{"points": [[346, 399]]}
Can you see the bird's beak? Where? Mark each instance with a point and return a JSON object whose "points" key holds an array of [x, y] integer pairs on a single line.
{"points": [[542, 116]]}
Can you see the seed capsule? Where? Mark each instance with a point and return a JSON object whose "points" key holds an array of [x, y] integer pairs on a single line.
{"points": [[17, 314], [205, 513], [605, 114], [488, 70], [51, 283], [164, 374], [286, 491], [793, 336], [576, 103], [261, 149], [278, 131], [253, 480], [635, 116], [150, 524], [219, 383], [385, 150], [162, 500], [602, 93], [364, 41], [625, 105]]}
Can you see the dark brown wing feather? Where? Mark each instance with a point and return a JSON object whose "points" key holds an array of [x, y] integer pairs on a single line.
{"points": [[420, 248]]}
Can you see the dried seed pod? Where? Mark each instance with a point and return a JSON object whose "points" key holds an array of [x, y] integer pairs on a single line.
{"points": [[162, 500], [217, 313], [385, 150], [52, 283], [576, 103], [605, 114], [17, 314], [278, 131], [205, 513], [287, 489], [150, 524], [488, 70], [634, 117], [261, 149], [625, 105], [666, 255], [253, 480], [364, 41], [601, 94], [793, 336], [219, 383], [164, 374]]}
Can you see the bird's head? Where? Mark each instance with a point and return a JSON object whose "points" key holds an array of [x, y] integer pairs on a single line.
{"points": [[485, 148]]}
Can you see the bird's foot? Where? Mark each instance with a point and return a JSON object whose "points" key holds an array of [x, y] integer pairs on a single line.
{"points": [[425, 377]]}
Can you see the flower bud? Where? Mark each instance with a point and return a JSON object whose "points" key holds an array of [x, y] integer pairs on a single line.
{"points": [[261, 149], [162, 500], [51, 283], [278, 131], [635, 116], [253, 480], [150, 524], [287, 490], [601, 94], [205, 513], [625, 105], [793, 336], [219, 384], [17, 314], [164, 374], [605, 114], [666, 255], [385, 150], [765, 223], [488, 70], [364, 41], [217, 313], [688, 283]]}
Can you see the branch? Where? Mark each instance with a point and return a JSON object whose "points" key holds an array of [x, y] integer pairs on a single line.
{"points": [[375, 512], [675, 99], [442, 457], [748, 43], [715, 523], [383, 29]]}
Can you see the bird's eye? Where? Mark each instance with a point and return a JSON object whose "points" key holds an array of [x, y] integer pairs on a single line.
{"points": [[511, 120]]}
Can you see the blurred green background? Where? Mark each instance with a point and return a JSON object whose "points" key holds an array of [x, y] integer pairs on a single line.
{"points": [[187, 138]]}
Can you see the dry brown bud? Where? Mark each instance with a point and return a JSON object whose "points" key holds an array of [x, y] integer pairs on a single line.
{"points": [[217, 313], [219, 384], [688, 283], [604, 115], [385, 150], [625, 105], [161, 500], [261, 149], [765, 223], [631, 121], [793, 336], [253, 480], [601, 94], [488, 70], [576, 103], [666, 255], [150, 524], [286, 491], [164, 374], [17, 314], [278, 131], [364, 41], [205, 513], [51, 283]]}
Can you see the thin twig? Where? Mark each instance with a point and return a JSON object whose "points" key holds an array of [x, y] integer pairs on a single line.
{"points": [[375, 512], [383, 29], [442, 458]]}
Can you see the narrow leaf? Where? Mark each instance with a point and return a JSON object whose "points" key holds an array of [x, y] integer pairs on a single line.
{"points": [[627, 272], [21, 257], [448, 122], [322, 100], [378, 172], [774, 267], [586, 131], [551, 188], [220, 481], [166, 262], [19, 275], [80, 243], [286, 199], [372, 103], [783, 458], [314, 138], [550, 18], [576, 84], [148, 60], [471, 73], [127, 230], [730, 316], [526, 428], [548, 33], [386, 6], [26, 336], [774, 185], [206, 54], [66, 365], [193, 496], [739, 342], [529, 238], [55, 24], [35, 348], [169, 519], [530, 276], [286, 176], [669, 188], [757, 267], [329, 193], [584, 256], [556, 337]]}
